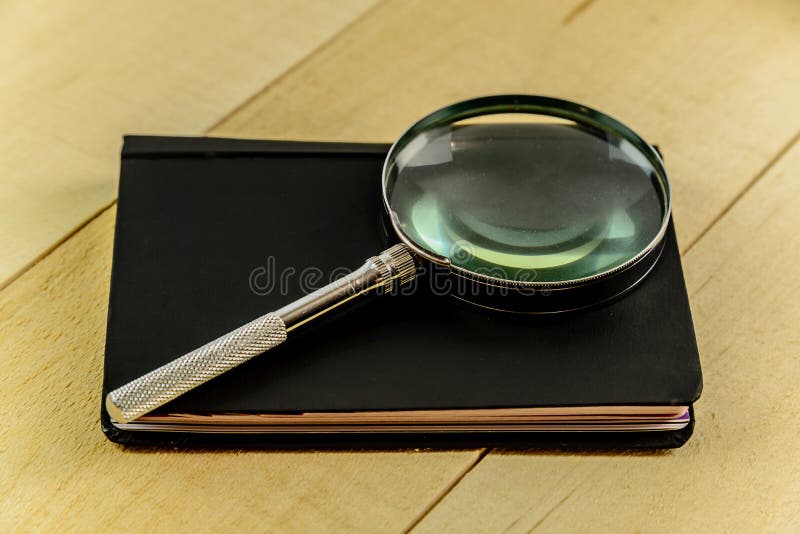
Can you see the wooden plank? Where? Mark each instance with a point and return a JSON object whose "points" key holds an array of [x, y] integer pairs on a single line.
{"points": [[715, 86], [75, 76], [58, 471], [670, 71], [740, 472]]}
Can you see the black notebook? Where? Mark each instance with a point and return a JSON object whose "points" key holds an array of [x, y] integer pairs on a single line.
{"points": [[212, 233]]}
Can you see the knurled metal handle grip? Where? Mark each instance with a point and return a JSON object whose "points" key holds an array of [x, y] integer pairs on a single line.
{"points": [[197, 367], [391, 268]]}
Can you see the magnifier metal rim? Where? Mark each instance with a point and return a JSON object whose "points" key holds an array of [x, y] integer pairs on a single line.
{"points": [[526, 104]]}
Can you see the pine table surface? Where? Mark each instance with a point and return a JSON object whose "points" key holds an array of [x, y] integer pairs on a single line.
{"points": [[714, 83]]}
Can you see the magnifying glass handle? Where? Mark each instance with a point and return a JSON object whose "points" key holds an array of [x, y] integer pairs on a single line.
{"points": [[391, 268]]}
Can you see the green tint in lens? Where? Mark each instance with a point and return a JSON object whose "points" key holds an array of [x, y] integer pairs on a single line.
{"points": [[525, 197]]}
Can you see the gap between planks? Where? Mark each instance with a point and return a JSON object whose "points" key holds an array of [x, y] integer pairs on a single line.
{"points": [[736, 199], [577, 11], [438, 498], [446, 491], [305, 59], [333, 38], [8, 281], [741, 194]]}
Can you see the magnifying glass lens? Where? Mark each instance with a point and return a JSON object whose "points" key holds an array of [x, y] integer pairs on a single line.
{"points": [[526, 197]]}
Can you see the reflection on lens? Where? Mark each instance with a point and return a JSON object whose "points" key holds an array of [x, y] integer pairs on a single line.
{"points": [[539, 202]]}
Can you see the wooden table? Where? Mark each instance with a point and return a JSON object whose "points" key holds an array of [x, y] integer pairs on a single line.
{"points": [[715, 84]]}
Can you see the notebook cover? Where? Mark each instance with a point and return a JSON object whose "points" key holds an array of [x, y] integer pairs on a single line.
{"points": [[199, 220]]}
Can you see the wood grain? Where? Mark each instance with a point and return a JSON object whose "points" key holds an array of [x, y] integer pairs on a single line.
{"points": [[57, 470], [740, 472], [716, 87], [75, 76]]}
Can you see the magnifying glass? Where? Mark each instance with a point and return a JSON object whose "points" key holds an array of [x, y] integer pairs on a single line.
{"points": [[528, 204]]}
